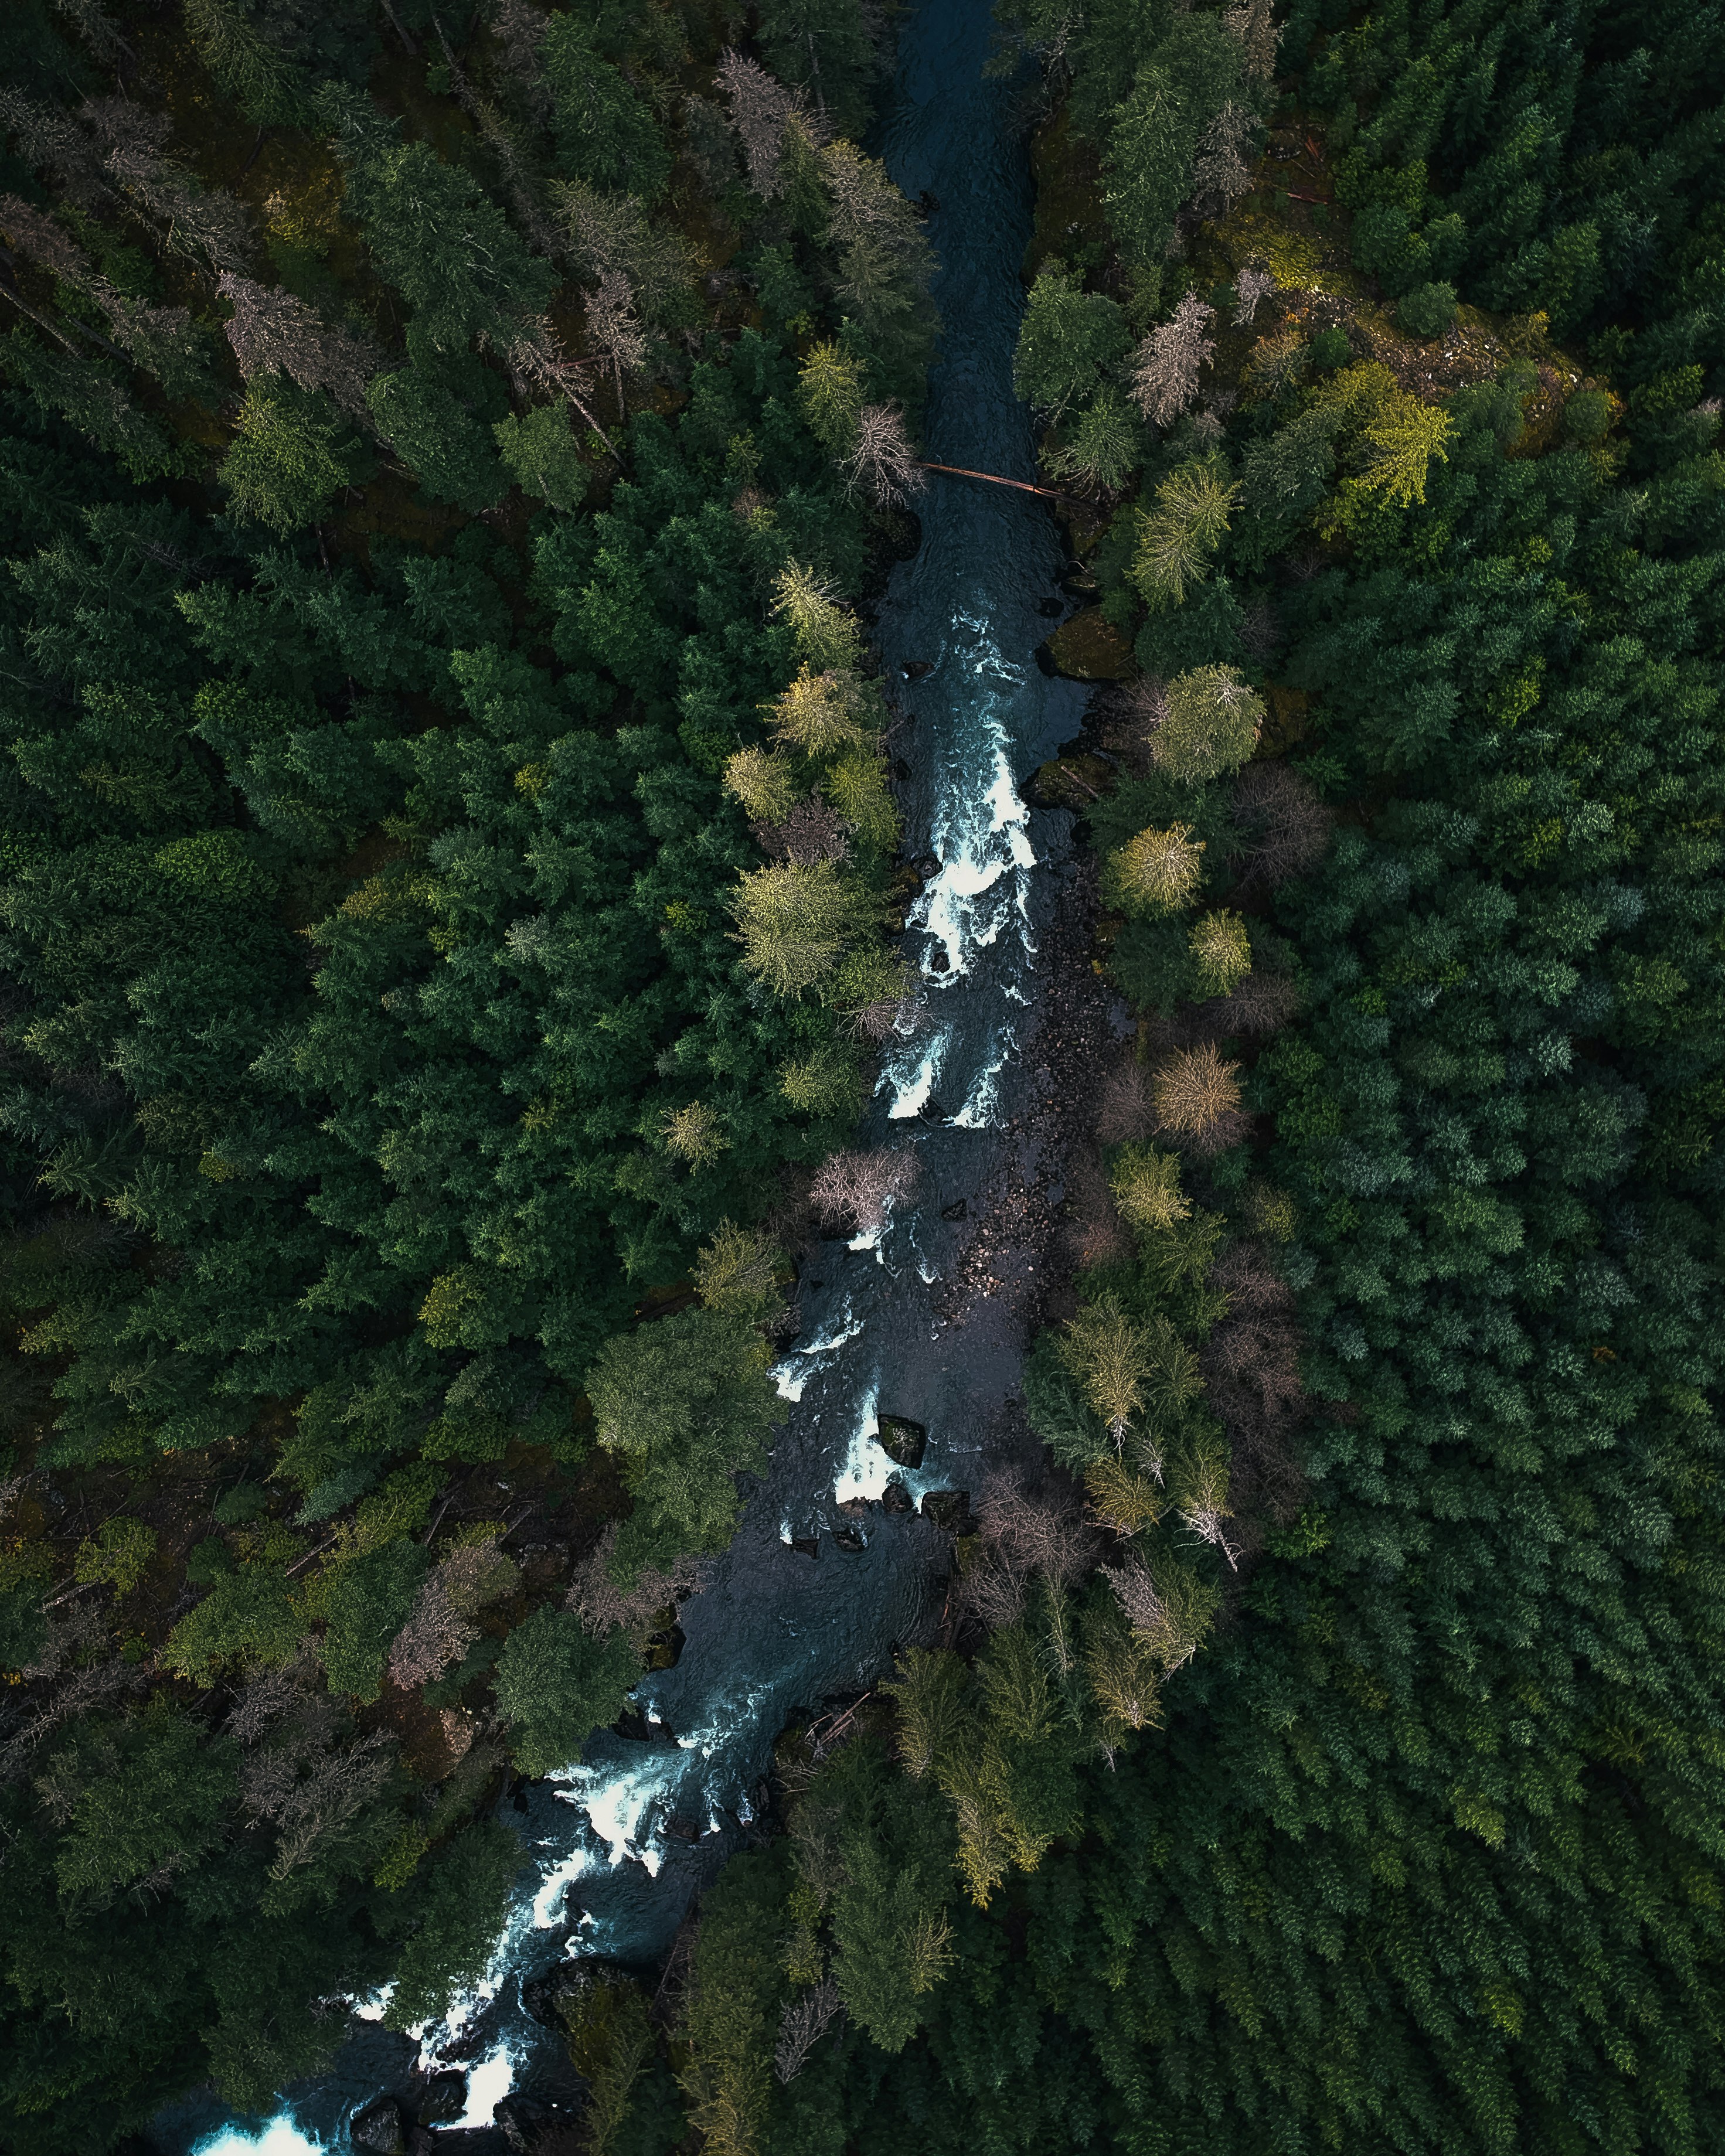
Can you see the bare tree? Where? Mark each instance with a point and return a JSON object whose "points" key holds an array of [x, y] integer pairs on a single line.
{"points": [[296, 1772], [1093, 1233], [519, 30], [857, 1190], [1219, 172], [1197, 1098], [602, 1606], [1285, 826], [534, 355], [615, 328], [1165, 368], [49, 139], [1251, 287], [203, 224], [1125, 1114], [1166, 1614], [1200, 1480], [442, 1625], [810, 832], [883, 465], [1261, 1004], [1022, 1535], [805, 2021], [273, 332], [761, 109], [1250, 22]]}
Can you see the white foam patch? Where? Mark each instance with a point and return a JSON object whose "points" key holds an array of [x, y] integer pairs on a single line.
{"points": [[913, 1090], [280, 2136], [487, 2085], [548, 1901], [977, 1112], [377, 2006], [620, 1805], [789, 1378], [859, 1475]]}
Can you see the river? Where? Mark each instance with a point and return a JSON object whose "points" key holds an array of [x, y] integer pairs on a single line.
{"points": [[926, 1320]]}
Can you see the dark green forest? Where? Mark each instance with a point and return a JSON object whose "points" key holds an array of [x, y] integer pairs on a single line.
{"points": [[450, 872]]}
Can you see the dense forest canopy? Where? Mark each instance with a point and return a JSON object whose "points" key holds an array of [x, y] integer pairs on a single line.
{"points": [[447, 851], [450, 877]]}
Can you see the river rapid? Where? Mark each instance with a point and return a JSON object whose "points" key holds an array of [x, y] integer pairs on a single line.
{"points": [[925, 1320]]}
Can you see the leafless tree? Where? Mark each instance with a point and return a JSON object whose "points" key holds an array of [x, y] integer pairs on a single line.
{"points": [[442, 1625], [1260, 632], [297, 1772], [1093, 1230], [519, 28], [84, 1689], [602, 1606], [761, 108], [1165, 368], [1284, 824], [812, 832], [615, 328], [500, 138], [34, 233], [1249, 21], [1252, 286], [274, 332], [1125, 1112], [535, 357], [49, 139], [1021, 1535], [1220, 174], [857, 1190], [890, 1017], [1261, 1004], [1197, 1098], [1251, 1369], [883, 465], [805, 2021]]}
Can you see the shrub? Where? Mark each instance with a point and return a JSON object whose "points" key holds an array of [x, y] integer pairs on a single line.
{"points": [[1428, 310]]}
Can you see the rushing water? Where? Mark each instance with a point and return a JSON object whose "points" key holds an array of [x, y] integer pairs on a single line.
{"points": [[910, 1322]]}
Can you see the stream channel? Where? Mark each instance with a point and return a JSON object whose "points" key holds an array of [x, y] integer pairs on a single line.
{"points": [[925, 1320]]}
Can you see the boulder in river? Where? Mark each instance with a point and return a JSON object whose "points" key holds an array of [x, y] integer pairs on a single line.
{"points": [[444, 2100], [379, 2129], [851, 1540], [959, 1210], [895, 1498], [901, 1440], [948, 1509], [530, 2125]]}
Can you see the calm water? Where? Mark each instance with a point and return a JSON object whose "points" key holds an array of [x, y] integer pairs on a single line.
{"points": [[617, 1847]]}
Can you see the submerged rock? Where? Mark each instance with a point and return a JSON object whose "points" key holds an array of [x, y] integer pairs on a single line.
{"points": [[901, 1440]]}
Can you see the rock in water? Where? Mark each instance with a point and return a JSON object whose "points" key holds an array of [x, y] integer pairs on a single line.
{"points": [[379, 2129], [948, 1509], [444, 2100], [895, 1498], [901, 1440]]}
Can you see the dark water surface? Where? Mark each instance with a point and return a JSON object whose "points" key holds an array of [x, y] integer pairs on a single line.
{"points": [[621, 1844]]}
